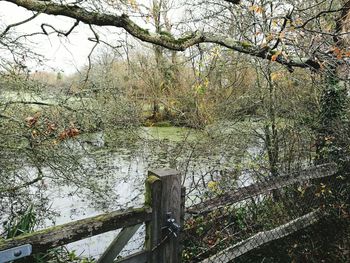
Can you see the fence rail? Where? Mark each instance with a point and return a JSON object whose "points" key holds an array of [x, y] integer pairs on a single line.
{"points": [[269, 184], [221, 215], [161, 214], [264, 237], [164, 214], [56, 236]]}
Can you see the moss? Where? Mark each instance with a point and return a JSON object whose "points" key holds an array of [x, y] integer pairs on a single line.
{"points": [[3, 242], [148, 202], [246, 44], [148, 193], [182, 40], [144, 31], [56, 233], [166, 33]]}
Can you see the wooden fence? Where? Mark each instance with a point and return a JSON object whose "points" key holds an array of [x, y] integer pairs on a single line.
{"points": [[163, 215], [270, 184]]}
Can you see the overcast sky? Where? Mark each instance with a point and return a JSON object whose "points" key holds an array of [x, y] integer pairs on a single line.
{"points": [[67, 54], [62, 53]]}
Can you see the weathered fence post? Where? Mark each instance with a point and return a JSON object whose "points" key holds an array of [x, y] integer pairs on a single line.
{"points": [[182, 221], [163, 194]]}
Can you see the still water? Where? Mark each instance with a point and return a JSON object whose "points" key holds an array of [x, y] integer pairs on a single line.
{"points": [[115, 171]]}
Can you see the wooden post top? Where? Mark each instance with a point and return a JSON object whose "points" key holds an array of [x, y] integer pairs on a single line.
{"points": [[164, 172]]}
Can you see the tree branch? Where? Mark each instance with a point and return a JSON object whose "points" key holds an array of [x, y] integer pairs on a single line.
{"points": [[26, 184], [18, 24], [59, 32], [179, 44], [235, 2]]}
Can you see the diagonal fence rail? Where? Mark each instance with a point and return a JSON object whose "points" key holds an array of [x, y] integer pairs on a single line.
{"points": [[161, 216], [269, 184], [219, 229], [241, 220], [261, 238]]}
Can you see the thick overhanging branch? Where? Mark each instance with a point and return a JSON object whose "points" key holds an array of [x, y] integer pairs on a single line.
{"points": [[164, 40], [235, 2]]}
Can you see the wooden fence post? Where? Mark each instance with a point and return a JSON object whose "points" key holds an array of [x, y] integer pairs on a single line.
{"points": [[163, 194], [182, 221]]}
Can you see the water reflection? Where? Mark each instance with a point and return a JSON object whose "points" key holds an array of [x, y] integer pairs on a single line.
{"points": [[115, 168]]}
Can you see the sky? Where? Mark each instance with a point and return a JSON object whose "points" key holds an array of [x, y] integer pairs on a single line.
{"points": [[63, 54]]}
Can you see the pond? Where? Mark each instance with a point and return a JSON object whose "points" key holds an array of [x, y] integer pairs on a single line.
{"points": [[105, 171], [120, 167]]}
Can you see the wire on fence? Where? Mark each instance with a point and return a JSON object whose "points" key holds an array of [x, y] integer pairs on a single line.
{"points": [[222, 224]]}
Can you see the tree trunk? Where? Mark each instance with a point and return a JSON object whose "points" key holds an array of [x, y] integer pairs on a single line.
{"points": [[332, 119]]}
